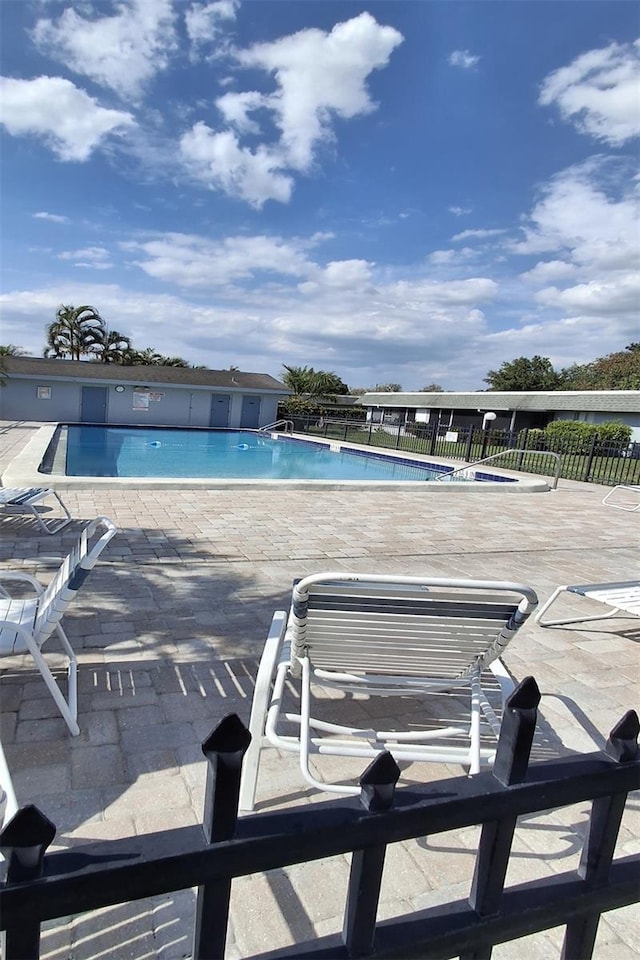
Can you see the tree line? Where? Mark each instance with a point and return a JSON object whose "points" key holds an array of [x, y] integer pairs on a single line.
{"points": [[79, 332]]}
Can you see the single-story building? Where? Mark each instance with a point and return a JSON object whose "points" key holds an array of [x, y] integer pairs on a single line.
{"points": [[82, 391], [512, 410]]}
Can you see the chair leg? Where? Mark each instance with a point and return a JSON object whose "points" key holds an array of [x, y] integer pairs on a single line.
{"points": [[259, 707], [54, 526], [68, 709], [556, 623]]}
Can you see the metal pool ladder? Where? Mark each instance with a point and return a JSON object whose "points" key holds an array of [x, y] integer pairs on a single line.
{"points": [[503, 453], [287, 424]]}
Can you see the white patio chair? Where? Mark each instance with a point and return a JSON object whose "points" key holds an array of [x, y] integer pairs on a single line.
{"points": [[388, 636], [624, 496], [25, 624], [24, 500], [623, 597]]}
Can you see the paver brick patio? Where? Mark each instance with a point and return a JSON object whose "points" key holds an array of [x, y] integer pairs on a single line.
{"points": [[169, 631]]}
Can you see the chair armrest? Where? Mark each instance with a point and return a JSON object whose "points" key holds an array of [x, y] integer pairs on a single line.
{"points": [[17, 577], [110, 531]]}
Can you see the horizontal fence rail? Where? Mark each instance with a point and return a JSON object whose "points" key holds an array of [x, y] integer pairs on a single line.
{"points": [[43, 886], [592, 460]]}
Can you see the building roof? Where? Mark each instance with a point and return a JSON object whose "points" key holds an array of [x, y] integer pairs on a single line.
{"points": [[140, 374], [614, 401]]}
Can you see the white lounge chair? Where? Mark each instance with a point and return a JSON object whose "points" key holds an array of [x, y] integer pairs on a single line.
{"points": [[388, 636], [623, 597], [624, 496], [25, 624], [24, 500]]}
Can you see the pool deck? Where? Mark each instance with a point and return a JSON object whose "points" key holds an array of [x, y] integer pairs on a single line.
{"points": [[169, 629]]}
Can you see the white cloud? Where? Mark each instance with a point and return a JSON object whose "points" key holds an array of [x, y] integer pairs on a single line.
{"points": [[451, 256], [122, 52], [442, 256], [318, 76], [589, 214], [96, 258], [477, 234], [51, 217], [548, 271], [598, 92], [193, 261], [203, 21], [586, 220], [71, 122], [464, 59], [596, 298], [460, 211], [219, 160], [235, 108]]}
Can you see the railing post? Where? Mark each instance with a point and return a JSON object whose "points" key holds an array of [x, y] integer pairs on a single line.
{"points": [[224, 749], [599, 845], [590, 456], [496, 837], [23, 844], [378, 784], [433, 440]]}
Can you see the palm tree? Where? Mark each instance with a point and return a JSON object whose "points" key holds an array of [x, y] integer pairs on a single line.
{"points": [[114, 347], [310, 388], [175, 362], [10, 350], [74, 333], [147, 356], [151, 357]]}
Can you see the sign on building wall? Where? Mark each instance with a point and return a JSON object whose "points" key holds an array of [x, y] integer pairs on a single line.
{"points": [[140, 398]]}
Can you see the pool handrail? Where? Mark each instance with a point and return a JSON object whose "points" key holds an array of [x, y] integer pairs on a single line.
{"points": [[288, 425], [502, 453]]}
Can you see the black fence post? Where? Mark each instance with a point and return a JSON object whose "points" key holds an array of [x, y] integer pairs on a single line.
{"points": [[469, 444], [378, 784], [521, 441], [590, 456], [496, 837], [599, 845], [224, 749], [23, 844], [485, 441], [434, 440]]}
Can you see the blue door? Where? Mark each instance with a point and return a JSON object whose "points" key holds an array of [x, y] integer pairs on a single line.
{"points": [[93, 406], [220, 404], [250, 417]]}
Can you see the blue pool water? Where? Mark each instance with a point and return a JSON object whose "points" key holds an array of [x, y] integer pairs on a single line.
{"points": [[224, 454]]}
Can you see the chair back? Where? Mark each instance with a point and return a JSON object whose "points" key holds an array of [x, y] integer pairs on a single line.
{"points": [[405, 626], [73, 572]]}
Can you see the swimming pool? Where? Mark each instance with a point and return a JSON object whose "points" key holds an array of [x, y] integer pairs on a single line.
{"points": [[43, 459], [96, 451]]}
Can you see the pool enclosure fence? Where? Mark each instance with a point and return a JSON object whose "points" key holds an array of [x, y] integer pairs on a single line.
{"points": [[594, 460], [45, 886]]}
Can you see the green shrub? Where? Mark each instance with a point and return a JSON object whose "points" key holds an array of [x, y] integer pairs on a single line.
{"points": [[613, 431], [536, 439], [576, 436]]}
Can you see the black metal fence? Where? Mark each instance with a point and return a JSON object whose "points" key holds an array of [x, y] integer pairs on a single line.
{"points": [[590, 461], [43, 886]]}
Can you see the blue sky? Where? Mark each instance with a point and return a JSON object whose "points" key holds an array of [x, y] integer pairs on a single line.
{"points": [[410, 192]]}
